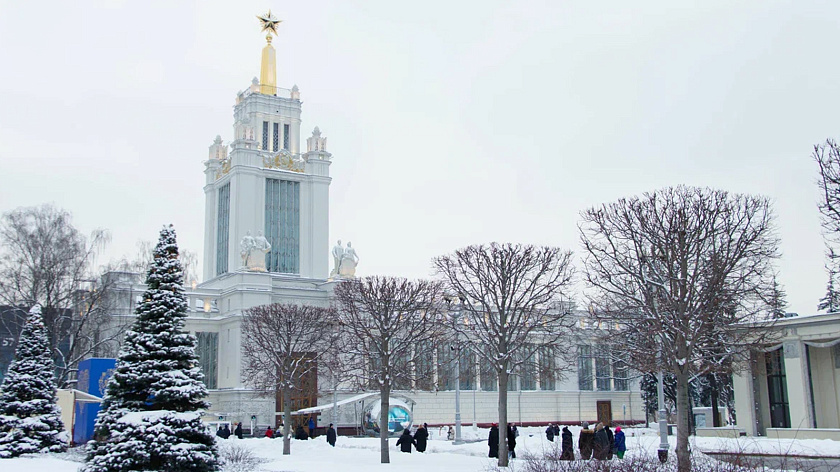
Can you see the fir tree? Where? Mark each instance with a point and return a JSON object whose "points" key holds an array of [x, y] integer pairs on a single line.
{"points": [[150, 417], [30, 420]]}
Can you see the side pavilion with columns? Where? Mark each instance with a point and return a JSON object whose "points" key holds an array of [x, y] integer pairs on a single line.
{"points": [[792, 388]]}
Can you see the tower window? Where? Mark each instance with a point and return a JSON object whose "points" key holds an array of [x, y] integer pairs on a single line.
{"points": [[276, 140], [286, 137], [222, 229], [265, 135], [282, 225]]}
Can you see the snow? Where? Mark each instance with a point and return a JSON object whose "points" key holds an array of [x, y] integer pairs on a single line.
{"points": [[362, 454]]}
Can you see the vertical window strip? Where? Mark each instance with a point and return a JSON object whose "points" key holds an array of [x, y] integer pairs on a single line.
{"points": [[584, 367], [207, 349], [620, 375], [286, 128], [603, 372], [282, 225], [547, 367], [275, 140], [265, 136], [222, 229]]}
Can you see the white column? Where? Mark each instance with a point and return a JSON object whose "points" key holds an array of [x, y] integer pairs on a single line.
{"points": [[798, 385], [745, 401]]}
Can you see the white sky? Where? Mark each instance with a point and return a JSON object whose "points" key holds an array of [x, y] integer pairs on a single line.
{"points": [[450, 122]]}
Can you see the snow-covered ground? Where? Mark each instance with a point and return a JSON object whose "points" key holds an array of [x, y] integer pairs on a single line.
{"points": [[362, 454]]}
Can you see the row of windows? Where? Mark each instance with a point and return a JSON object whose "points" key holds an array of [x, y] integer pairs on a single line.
{"points": [[611, 372], [275, 138], [440, 371]]}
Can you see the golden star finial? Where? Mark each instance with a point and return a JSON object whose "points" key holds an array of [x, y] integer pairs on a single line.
{"points": [[269, 22]]}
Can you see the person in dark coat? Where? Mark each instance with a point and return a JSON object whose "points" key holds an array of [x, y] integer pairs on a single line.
{"points": [[610, 442], [601, 446], [311, 425], [549, 432], [511, 438], [238, 430], [587, 437], [420, 438], [619, 444], [220, 432], [493, 441], [567, 448], [331, 435], [300, 433], [556, 430], [406, 441]]}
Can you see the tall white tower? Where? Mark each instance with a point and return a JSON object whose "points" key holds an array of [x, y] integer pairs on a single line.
{"points": [[266, 185]]}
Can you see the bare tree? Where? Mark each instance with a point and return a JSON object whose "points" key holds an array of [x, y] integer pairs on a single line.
{"points": [[282, 344], [44, 259], [513, 306], [681, 276], [387, 319], [827, 157]]}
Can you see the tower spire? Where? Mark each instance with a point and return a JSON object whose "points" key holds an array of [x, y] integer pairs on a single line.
{"points": [[268, 67]]}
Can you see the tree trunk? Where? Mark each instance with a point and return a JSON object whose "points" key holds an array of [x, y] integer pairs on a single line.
{"points": [[287, 420], [503, 444], [683, 423], [713, 386], [384, 405]]}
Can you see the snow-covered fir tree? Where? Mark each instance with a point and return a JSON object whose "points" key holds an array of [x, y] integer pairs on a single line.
{"points": [[150, 417], [30, 420]]}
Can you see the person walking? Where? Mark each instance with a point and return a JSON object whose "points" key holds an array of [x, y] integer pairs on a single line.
{"points": [[269, 433], [549, 432], [601, 446], [610, 442], [450, 434], [331, 435], [587, 437], [556, 430], [568, 452], [493, 441], [420, 438], [406, 441], [311, 425], [619, 444], [238, 430], [220, 432], [511, 438], [226, 432], [300, 433]]}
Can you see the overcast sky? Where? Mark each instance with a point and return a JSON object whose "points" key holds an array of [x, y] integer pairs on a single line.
{"points": [[450, 122]]}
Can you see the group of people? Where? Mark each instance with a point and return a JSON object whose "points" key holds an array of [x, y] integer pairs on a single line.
{"points": [[224, 431], [493, 440], [599, 444], [418, 440]]}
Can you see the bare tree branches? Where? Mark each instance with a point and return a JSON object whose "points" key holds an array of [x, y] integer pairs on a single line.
{"points": [[827, 157], [44, 259], [391, 321], [681, 277], [512, 306], [281, 346]]}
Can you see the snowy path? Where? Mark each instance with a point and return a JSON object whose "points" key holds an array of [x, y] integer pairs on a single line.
{"points": [[362, 454]]}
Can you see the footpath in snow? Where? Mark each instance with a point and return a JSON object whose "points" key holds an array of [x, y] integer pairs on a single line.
{"points": [[362, 454]]}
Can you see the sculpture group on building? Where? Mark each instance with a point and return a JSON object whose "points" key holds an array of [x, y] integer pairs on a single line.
{"points": [[345, 260], [253, 251]]}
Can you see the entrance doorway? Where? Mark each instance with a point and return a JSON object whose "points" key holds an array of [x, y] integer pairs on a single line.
{"points": [[604, 412], [777, 390]]}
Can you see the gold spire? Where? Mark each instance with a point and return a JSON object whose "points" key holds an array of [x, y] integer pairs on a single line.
{"points": [[268, 68]]}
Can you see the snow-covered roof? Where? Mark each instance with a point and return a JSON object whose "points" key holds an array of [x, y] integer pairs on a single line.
{"points": [[315, 409]]}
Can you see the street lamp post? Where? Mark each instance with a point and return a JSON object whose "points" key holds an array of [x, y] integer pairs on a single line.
{"points": [[456, 318], [663, 419]]}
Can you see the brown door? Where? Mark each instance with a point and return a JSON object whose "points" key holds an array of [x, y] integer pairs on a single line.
{"points": [[604, 412]]}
